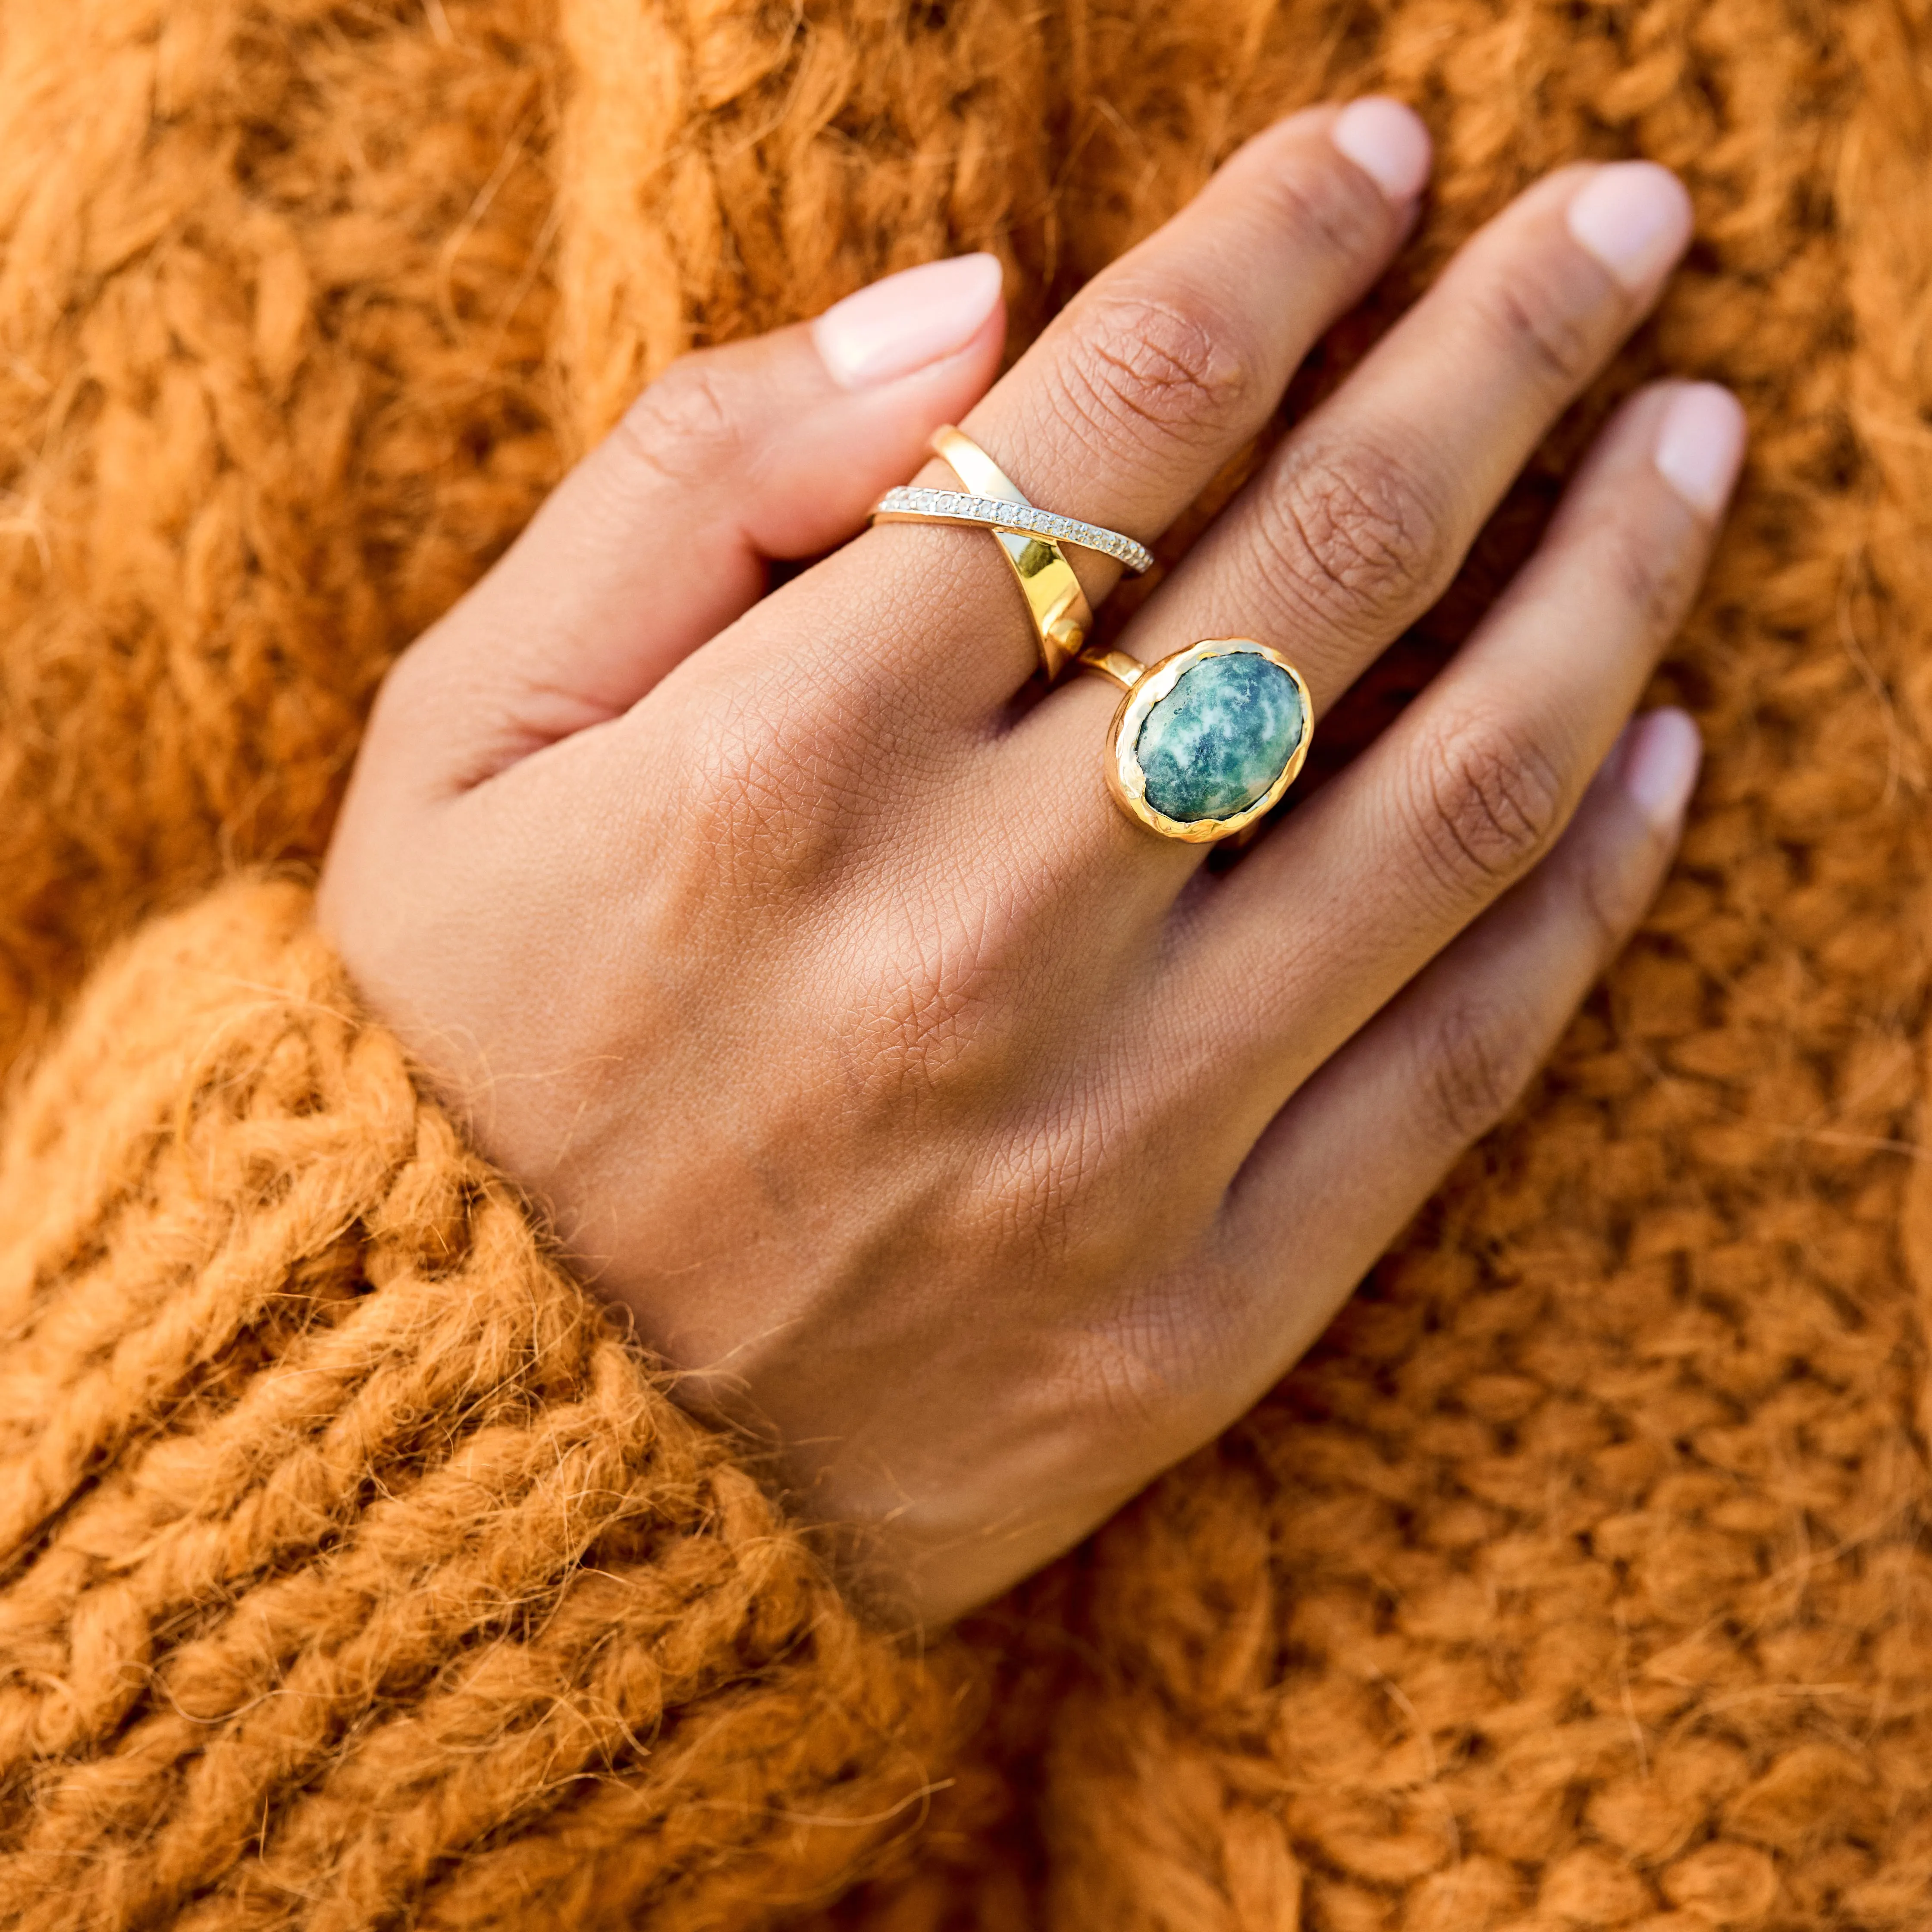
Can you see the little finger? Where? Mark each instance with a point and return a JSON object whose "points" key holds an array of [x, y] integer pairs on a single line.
{"points": [[1361, 1146]]}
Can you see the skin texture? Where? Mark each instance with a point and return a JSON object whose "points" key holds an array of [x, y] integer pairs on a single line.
{"points": [[978, 1146]]}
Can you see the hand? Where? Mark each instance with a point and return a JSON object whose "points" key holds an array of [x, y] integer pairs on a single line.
{"points": [[927, 1113]]}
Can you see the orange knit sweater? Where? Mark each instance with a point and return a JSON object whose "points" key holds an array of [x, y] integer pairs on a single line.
{"points": [[355, 1570]]}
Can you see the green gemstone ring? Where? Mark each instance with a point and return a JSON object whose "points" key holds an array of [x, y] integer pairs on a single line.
{"points": [[1207, 741]]}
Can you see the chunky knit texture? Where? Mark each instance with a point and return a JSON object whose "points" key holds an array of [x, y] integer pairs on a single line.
{"points": [[361, 1577], [358, 1569]]}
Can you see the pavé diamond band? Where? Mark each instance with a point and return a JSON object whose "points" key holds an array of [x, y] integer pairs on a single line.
{"points": [[953, 506], [1061, 615]]}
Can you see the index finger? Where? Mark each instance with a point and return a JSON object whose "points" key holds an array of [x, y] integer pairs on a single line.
{"points": [[1158, 373]]}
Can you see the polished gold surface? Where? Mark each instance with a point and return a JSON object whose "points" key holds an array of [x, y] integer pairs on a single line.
{"points": [[1115, 666], [1128, 782], [973, 466]]}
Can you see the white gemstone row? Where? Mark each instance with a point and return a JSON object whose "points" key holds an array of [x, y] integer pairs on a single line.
{"points": [[1022, 517]]}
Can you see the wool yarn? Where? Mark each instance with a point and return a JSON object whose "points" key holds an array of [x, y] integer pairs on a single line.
{"points": [[273, 318], [1575, 1580], [399, 1548]]}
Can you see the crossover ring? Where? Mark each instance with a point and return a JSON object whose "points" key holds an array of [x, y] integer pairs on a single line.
{"points": [[907, 505], [1029, 538]]}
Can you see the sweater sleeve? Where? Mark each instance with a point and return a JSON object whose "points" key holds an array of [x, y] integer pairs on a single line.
{"points": [[357, 1570]]}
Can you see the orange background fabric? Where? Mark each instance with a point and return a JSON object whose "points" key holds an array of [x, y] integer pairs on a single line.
{"points": [[1577, 1578]]}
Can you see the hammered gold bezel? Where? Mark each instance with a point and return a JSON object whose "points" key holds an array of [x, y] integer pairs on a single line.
{"points": [[1128, 782]]}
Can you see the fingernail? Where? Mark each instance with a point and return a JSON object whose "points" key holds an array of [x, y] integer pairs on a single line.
{"points": [[1661, 756], [1388, 142], [1700, 444], [907, 320], [1635, 218]]}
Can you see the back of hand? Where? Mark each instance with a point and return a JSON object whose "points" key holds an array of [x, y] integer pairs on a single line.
{"points": [[931, 1112]]}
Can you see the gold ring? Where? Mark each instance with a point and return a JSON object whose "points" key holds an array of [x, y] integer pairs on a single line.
{"points": [[1205, 743], [1029, 537]]}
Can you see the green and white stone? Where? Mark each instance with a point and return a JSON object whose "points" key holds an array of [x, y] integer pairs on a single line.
{"points": [[1220, 738]]}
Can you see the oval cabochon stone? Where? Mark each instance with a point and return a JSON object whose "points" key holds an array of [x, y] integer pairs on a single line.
{"points": [[1217, 741]]}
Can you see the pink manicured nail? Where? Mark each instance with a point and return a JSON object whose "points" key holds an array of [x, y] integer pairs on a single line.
{"points": [[1661, 756], [1387, 142], [907, 320], [1635, 218], [1700, 444]]}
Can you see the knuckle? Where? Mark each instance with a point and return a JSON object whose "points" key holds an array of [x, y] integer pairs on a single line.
{"points": [[936, 1017], [1489, 803], [1477, 1059], [1537, 324], [1327, 209], [1057, 1179], [767, 794], [1610, 903], [1650, 579], [684, 426], [1360, 536], [1136, 363]]}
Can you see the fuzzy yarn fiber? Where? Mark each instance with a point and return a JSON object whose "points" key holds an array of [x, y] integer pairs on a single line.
{"points": [[357, 1574]]}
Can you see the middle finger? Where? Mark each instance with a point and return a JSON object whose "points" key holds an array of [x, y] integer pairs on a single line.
{"points": [[1362, 516], [1366, 513]]}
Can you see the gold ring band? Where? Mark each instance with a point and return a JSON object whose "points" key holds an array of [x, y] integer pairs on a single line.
{"points": [[1062, 617]]}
